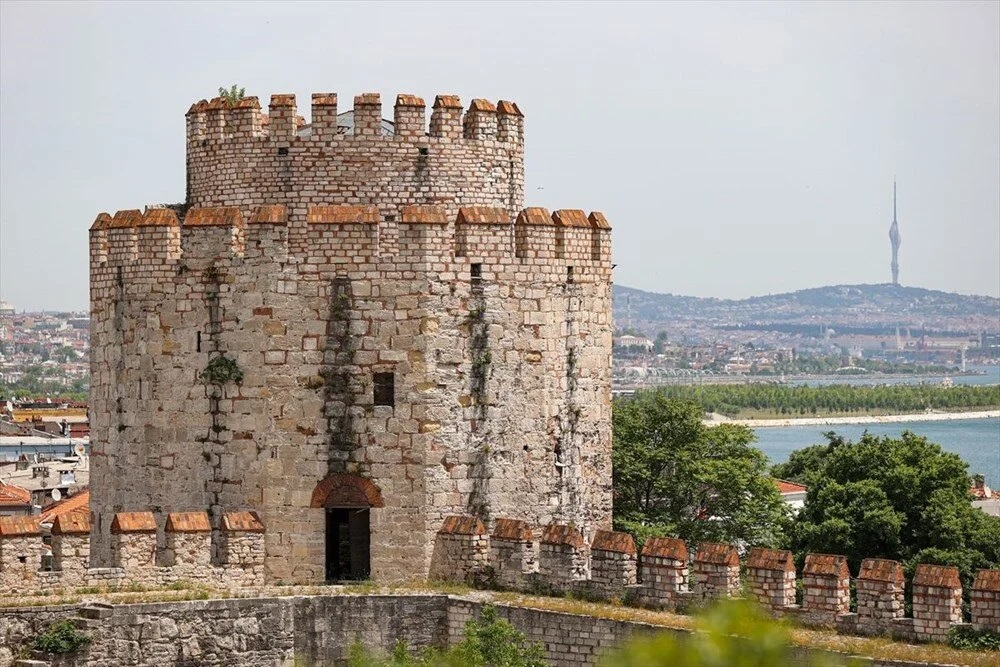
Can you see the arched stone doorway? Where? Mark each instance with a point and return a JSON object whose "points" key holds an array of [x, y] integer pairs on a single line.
{"points": [[347, 501]]}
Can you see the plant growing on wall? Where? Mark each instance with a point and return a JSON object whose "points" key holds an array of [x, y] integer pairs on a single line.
{"points": [[232, 94], [222, 370], [61, 637]]}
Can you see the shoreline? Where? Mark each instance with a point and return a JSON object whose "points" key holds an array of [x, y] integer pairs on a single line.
{"points": [[716, 419]]}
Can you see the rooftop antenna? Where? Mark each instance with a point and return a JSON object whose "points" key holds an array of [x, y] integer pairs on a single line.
{"points": [[894, 238], [628, 309]]}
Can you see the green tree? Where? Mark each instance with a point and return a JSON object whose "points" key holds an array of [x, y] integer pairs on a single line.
{"points": [[674, 475], [730, 634], [232, 95], [902, 498]]}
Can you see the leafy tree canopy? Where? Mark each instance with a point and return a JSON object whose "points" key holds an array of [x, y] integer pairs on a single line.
{"points": [[900, 498], [675, 476]]}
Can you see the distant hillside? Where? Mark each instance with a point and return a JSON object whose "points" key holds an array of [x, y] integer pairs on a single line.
{"points": [[871, 305]]}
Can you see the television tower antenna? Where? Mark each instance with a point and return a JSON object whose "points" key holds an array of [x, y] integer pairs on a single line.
{"points": [[894, 238]]}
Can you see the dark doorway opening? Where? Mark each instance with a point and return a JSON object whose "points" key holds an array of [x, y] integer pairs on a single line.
{"points": [[348, 542]]}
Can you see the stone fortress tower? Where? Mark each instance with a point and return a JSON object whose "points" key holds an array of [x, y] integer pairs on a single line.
{"points": [[353, 328]]}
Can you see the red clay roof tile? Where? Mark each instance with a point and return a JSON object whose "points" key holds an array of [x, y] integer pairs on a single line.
{"points": [[610, 540], [462, 525], [482, 215], [512, 529], [717, 553], [880, 569], [771, 559], [826, 565], [561, 533], [188, 522], [665, 547], [242, 522], [133, 522], [424, 214], [19, 526]]}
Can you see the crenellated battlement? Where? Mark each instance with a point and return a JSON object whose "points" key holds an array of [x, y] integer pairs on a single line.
{"points": [[189, 542], [245, 156], [217, 120], [339, 236], [669, 575]]}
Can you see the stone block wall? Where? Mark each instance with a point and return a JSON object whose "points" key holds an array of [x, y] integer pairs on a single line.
{"points": [[826, 588], [664, 572], [613, 564], [240, 546], [477, 160], [607, 571], [562, 557], [716, 570], [311, 303], [462, 549], [771, 575], [512, 553], [20, 551], [937, 600], [985, 596], [879, 588]]}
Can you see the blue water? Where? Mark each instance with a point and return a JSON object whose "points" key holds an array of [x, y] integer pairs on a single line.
{"points": [[977, 441], [983, 375]]}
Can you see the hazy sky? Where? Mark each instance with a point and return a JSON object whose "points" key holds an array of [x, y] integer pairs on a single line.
{"points": [[736, 148]]}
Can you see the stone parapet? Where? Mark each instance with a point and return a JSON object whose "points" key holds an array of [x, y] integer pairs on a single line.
{"points": [[664, 572], [613, 564], [985, 599], [771, 575], [513, 553], [937, 601], [716, 571], [880, 594], [826, 588], [562, 556], [462, 549], [188, 557]]}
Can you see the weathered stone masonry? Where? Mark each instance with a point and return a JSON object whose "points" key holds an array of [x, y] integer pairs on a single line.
{"points": [[362, 320]]}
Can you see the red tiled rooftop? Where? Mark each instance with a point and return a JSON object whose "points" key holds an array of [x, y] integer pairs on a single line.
{"points": [[942, 576], [789, 487], [428, 215], [14, 496], [987, 580], [770, 559], [717, 553], [71, 523], [78, 503], [482, 215]]}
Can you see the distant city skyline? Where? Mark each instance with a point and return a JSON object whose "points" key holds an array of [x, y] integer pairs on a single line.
{"points": [[738, 149]]}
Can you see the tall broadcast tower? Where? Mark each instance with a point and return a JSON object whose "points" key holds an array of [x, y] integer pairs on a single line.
{"points": [[894, 239]]}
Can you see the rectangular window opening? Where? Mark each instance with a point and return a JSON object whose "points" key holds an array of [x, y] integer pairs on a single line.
{"points": [[476, 272], [197, 342], [569, 274], [385, 389]]}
